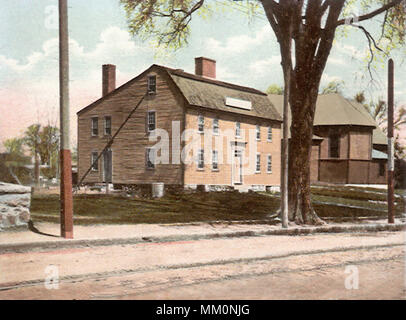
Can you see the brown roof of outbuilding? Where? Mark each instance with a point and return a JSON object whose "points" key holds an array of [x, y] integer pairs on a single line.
{"points": [[378, 137], [333, 109]]}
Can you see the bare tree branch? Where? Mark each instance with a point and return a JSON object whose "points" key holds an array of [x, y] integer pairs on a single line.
{"points": [[373, 13], [271, 8]]}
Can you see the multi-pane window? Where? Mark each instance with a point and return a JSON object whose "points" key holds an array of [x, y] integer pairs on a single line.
{"points": [[238, 129], [150, 158], [107, 125], [258, 164], [151, 120], [200, 159], [334, 146], [200, 124], [215, 126], [94, 163], [95, 126], [215, 160], [269, 164], [152, 84], [269, 133], [258, 132]]}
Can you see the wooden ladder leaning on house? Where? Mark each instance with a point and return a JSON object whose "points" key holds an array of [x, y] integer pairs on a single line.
{"points": [[110, 142]]}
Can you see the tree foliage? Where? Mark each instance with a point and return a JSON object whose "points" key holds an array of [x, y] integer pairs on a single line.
{"points": [[32, 138], [49, 144], [43, 144], [274, 89], [14, 146], [12, 169], [15, 153], [334, 86], [168, 21]]}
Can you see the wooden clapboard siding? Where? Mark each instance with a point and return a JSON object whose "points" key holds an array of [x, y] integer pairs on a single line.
{"points": [[172, 106], [130, 145], [222, 176]]}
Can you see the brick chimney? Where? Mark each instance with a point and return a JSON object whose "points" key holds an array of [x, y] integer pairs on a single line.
{"points": [[205, 67], [109, 78]]}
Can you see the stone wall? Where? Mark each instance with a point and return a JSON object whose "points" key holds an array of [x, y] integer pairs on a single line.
{"points": [[15, 201]]}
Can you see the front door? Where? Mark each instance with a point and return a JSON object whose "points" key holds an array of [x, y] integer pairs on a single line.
{"points": [[108, 166], [237, 167]]}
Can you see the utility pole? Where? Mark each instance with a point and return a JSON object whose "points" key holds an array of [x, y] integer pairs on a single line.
{"points": [[285, 140], [285, 155], [391, 145], [66, 198]]}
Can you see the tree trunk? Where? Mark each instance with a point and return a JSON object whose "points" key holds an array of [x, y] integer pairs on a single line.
{"points": [[292, 20], [36, 169], [303, 103]]}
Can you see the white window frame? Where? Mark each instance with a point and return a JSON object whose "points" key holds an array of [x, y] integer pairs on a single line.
{"points": [[258, 132], [92, 126], [270, 133], [105, 126], [258, 157], [269, 163], [149, 84], [200, 159], [200, 123], [238, 129], [216, 128], [148, 160], [155, 118], [93, 157], [215, 160]]}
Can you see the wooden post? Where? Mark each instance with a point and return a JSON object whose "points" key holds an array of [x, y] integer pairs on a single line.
{"points": [[285, 156], [391, 146], [285, 140], [66, 198]]}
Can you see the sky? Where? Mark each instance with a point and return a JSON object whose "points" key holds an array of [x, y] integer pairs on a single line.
{"points": [[245, 50]]}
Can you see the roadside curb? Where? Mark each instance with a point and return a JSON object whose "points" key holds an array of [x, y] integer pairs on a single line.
{"points": [[294, 231]]}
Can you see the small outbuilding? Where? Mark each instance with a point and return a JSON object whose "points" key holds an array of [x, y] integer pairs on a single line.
{"points": [[348, 146]]}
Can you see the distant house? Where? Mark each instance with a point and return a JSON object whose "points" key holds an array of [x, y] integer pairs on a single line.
{"points": [[178, 102], [348, 147]]}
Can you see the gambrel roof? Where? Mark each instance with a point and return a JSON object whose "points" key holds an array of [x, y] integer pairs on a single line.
{"points": [[210, 93]]}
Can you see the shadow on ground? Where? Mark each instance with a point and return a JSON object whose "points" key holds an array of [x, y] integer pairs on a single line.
{"points": [[32, 228]]}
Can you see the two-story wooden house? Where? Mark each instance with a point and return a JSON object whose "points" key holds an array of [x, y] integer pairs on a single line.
{"points": [[235, 131]]}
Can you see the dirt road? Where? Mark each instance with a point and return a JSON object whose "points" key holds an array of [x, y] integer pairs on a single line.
{"points": [[324, 266]]}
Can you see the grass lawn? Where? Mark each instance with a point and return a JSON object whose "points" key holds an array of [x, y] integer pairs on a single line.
{"points": [[333, 203], [94, 209]]}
